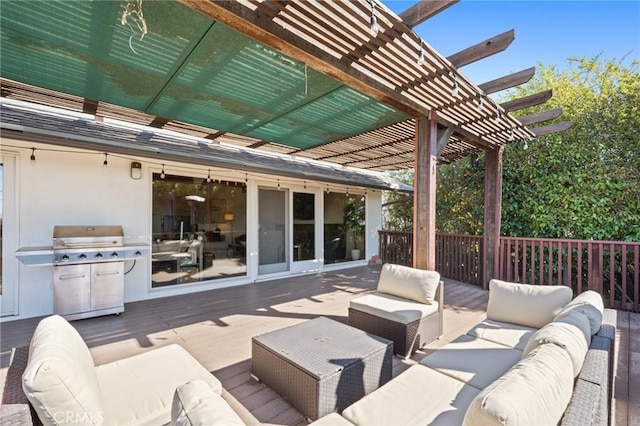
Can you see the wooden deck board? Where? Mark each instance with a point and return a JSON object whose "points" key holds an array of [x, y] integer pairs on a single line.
{"points": [[216, 328]]}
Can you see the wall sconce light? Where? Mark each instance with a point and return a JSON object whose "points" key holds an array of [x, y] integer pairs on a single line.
{"points": [[136, 170]]}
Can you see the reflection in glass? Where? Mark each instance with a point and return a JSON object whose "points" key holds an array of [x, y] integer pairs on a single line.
{"points": [[303, 226], [199, 230], [272, 220], [344, 227]]}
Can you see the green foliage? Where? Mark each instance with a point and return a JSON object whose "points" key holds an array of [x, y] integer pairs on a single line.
{"points": [[397, 213], [583, 183]]}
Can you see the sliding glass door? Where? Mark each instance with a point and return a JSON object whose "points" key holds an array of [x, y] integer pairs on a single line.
{"points": [[273, 248]]}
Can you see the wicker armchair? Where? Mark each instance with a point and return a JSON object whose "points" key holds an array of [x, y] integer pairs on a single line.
{"points": [[406, 308]]}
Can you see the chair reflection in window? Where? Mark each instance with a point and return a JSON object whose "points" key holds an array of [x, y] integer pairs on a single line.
{"points": [[195, 260]]}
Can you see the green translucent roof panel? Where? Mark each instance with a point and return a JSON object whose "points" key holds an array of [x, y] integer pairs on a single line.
{"points": [[187, 68]]}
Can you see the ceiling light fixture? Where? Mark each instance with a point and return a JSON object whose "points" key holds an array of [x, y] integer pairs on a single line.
{"points": [[209, 176], [421, 55], [32, 159], [374, 22], [162, 174], [105, 163]]}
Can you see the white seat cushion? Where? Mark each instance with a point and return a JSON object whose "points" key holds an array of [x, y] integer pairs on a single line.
{"points": [[60, 380], [536, 391], [393, 308], [565, 334], [333, 419], [525, 304], [419, 396], [139, 389], [196, 404], [511, 335], [589, 304], [477, 362], [408, 283]]}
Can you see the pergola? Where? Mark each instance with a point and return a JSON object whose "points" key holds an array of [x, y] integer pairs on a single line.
{"points": [[347, 82]]}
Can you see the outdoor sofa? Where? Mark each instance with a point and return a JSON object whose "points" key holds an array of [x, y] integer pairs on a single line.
{"points": [[63, 386], [538, 358]]}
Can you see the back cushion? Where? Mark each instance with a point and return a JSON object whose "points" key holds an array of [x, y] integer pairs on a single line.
{"points": [[536, 391], [60, 379], [589, 304], [409, 283], [525, 304], [567, 334]]}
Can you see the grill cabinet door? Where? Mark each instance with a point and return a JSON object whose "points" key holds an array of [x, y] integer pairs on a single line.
{"points": [[107, 285], [71, 289]]}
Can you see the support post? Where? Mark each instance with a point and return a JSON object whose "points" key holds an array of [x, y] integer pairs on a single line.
{"points": [[424, 193], [492, 212]]}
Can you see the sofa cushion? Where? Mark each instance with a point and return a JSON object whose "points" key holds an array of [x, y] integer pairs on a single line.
{"points": [[536, 391], [590, 304], [566, 335], [196, 404], [409, 283], [139, 389], [525, 304], [60, 379], [419, 396], [393, 308], [477, 362], [505, 333], [332, 419]]}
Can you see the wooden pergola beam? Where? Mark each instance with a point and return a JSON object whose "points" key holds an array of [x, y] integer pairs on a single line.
{"points": [[89, 106], [552, 128], [264, 30], [159, 122], [527, 101], [541, 116], [423, 10], [508, 81], [261, 28], [483, 49]]}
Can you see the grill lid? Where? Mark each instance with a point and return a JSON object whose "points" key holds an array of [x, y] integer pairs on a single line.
{"points": [[68, 237]]}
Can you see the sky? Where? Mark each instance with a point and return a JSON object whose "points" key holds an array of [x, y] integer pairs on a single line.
{"points": [[546, 32]]}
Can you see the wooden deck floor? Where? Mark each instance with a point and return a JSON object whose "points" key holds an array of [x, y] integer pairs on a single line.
{"points": [[216, 328]]}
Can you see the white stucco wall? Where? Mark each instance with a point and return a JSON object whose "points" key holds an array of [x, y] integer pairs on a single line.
{"points": [[72, 188]]}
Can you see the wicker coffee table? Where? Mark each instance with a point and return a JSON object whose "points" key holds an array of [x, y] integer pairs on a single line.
{"points": [[321, 366]]}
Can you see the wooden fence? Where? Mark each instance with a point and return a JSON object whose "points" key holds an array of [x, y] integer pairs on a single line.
{"points": [[612, 268]]}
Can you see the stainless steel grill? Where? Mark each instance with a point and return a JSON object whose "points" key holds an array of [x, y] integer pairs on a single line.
{"points": [[88, 272]]}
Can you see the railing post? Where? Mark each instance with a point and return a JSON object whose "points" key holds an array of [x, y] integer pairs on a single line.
{"points": [[492, 203]]}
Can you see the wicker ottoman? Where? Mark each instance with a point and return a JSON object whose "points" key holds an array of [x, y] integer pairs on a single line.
{"points": [[321, 366]]}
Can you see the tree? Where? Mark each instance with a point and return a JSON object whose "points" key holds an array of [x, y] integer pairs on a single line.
{"points": [[583, 183]]}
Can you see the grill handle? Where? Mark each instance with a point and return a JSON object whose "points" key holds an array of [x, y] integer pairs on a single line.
{"points": [[105, 274], [89, 245], [71, 277]]}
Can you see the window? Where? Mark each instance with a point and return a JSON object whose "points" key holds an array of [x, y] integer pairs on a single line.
{"points": [[199, 230], [344, 227], [304, 224]]}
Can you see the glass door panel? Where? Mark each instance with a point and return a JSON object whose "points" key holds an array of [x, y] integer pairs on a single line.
{"points": [[304, 226], [272, 231]]}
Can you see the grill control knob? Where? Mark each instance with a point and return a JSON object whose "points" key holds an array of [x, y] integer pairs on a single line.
{"points": [[64, 258], [99, 256], [82, 256], [114, 255]]}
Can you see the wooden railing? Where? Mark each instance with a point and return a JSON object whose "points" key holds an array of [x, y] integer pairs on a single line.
{"points": [[612, 268]]}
